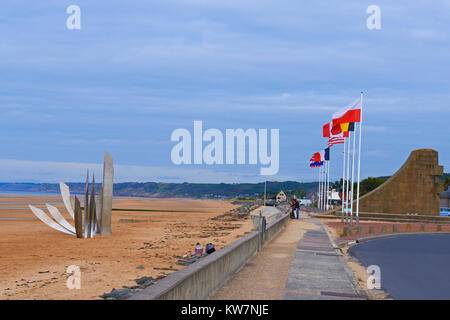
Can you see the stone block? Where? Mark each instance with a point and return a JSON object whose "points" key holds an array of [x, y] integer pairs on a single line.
{"points": [[414, 188]]}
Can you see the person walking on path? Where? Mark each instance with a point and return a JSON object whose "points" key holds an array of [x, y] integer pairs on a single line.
{"points": [[292, 214]]}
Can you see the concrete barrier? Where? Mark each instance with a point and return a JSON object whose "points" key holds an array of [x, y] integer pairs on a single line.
{"points": [[269, 213], [203, 278]]}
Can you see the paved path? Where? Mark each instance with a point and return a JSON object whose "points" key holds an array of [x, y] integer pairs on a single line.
{"points": [[264, 276], [412, 267], [300, 263], [318, 271]]}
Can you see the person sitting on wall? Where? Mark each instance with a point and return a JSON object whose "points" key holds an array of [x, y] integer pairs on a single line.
{"points": [[198, 250], [210, 248]]}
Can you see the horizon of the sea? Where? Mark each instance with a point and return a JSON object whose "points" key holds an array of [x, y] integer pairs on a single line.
{"points": [[27, 193]]}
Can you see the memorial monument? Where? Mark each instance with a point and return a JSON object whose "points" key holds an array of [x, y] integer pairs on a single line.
{"points": [[413, 189], [97, 210]]}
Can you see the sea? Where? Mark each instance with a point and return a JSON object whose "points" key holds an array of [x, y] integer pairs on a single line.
{"points": [[25, 193]]}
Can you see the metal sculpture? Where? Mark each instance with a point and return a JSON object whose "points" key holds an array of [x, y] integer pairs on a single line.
{"points": [[97, 211], [41, 215], [65, 194], [59, 218], [108, 177]]}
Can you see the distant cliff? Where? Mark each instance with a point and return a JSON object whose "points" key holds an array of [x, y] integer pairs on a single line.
{"points": [[193, 190], [159, 189]]}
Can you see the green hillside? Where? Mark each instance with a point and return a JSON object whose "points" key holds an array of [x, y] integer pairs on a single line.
{"points": [[191, 190]]}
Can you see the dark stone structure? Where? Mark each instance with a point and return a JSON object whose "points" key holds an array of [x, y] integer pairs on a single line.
{"points": [[413, 189]]}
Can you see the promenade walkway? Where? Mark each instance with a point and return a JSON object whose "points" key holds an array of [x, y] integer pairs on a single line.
{"points": [[299, 264]]}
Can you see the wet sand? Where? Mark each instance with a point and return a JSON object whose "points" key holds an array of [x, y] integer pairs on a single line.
{"points": [[34, 258]]}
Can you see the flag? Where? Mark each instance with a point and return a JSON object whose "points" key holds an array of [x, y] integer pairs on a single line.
{"points": [[322, 155], [316, 160], [346, 128], [351, 126], [335, 140], [326, 130], [351, 113], [336, 129], [325, 155]]}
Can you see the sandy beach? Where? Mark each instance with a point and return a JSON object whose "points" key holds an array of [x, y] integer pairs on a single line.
{"points": [[34, 258]]}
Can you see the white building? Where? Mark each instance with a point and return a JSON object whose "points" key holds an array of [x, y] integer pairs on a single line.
{"points": [[333, 198], [305, 202], [281, 196]]}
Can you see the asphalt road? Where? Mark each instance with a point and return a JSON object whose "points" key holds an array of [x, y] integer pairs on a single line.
{"points": [[412, 267]]}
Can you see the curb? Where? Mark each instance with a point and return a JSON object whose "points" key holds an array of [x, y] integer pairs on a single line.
{"points": [[393, 235], [351, 276]]}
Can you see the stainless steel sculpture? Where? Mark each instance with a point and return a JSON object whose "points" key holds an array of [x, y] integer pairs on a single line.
{"points": [[65, 194], [86, 207], [97, 211], [78, 219], [59, 218], [91, 216], [41, 215], [108, 177]]}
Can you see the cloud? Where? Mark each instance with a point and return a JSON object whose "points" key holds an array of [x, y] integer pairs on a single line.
{"points": [[374, 128], [425, 34], [138, 70]]}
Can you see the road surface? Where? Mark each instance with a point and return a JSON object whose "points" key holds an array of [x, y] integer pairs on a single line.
{"points": [[412, 267]]}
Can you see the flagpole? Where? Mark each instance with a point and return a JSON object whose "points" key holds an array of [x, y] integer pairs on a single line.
{"points": [[325, 186], [321, 187], [265, 190], [328, 184], [343, 184], [318, 200], [348, 177], [353, 176], [359, 163]]}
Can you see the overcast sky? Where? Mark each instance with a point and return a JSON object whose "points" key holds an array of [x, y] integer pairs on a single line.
{"points": [[138, 70]]}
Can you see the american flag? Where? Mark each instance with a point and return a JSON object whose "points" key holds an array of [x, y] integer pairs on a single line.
{"points": [[335, 140]]}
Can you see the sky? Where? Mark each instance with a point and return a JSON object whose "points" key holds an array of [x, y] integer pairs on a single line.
{"points": [[138, 70]]}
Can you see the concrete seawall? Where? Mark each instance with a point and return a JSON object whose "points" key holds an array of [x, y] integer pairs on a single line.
{"points": [[202, 279]]}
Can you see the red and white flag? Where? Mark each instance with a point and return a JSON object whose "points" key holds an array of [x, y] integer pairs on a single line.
{"points": [[335, 140], [326, 130], [351, 113]]}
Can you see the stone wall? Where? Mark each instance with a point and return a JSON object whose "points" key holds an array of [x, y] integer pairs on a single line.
{"points": [[414, 188], [202, 279]]}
